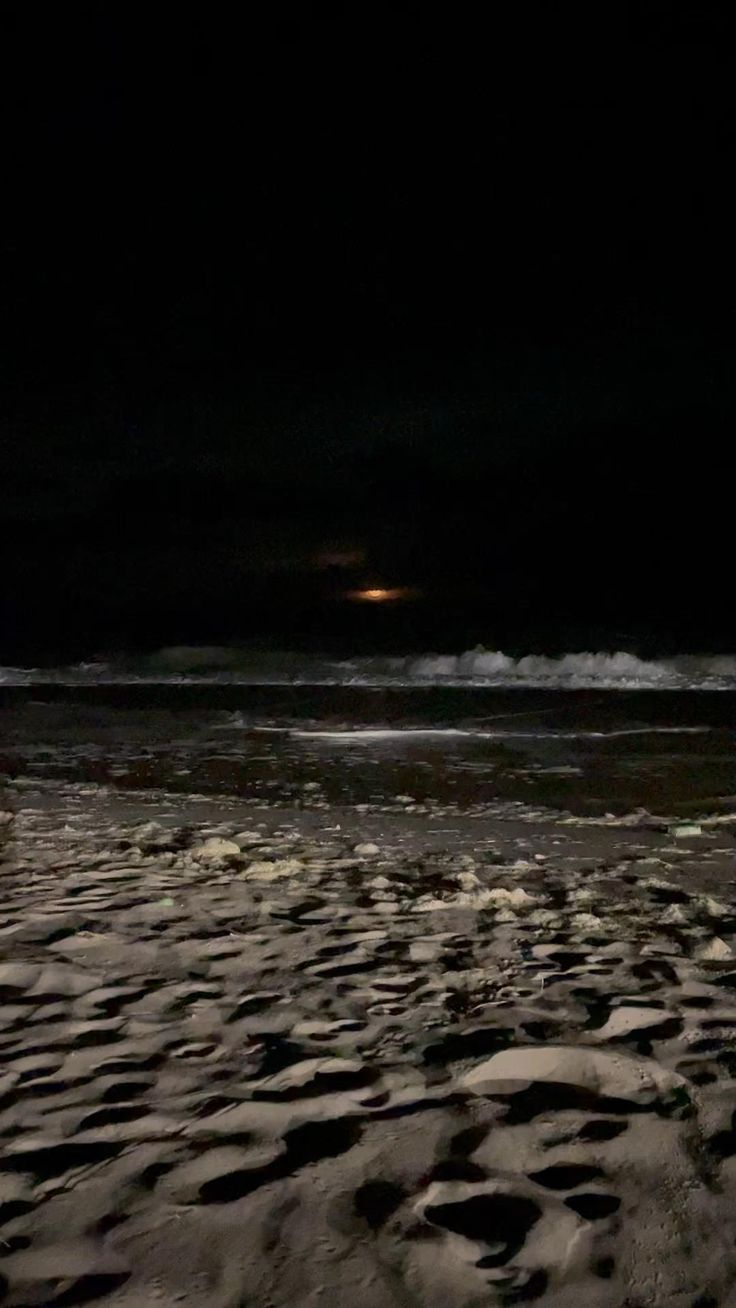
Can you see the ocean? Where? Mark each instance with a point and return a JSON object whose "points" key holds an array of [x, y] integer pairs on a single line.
{"points": [[586, 733]]}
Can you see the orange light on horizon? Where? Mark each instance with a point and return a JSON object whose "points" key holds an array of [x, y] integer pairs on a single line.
{"points": [[380, 594]]}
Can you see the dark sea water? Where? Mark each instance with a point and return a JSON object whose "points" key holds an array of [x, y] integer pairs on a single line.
{"points": [[590, 751]]}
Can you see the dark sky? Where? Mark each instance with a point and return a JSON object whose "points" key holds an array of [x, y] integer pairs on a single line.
{"points": [[459, 298]]}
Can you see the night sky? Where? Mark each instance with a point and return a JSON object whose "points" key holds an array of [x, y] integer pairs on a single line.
{"points": [[354, 297]]}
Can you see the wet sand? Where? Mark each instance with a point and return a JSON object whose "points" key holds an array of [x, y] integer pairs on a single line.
{"points": [[284, 1055]]}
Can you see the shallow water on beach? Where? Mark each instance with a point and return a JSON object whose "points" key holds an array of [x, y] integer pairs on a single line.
{"points": [[583, 752]]}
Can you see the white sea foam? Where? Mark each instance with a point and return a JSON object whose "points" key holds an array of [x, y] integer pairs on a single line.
{"points": [[231, 665], [367, 735]]}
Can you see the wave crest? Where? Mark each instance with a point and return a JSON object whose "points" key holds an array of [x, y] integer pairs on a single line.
{"points": [[233, 665]]}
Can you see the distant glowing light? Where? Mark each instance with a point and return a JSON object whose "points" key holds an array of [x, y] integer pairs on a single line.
{"points": [[381, 594]]}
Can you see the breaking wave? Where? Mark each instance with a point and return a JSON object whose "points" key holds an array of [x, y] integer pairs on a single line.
{"points": [[232, 665]]}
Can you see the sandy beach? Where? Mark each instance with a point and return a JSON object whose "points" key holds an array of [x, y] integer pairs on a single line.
{"points": [[269, 1056]]}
